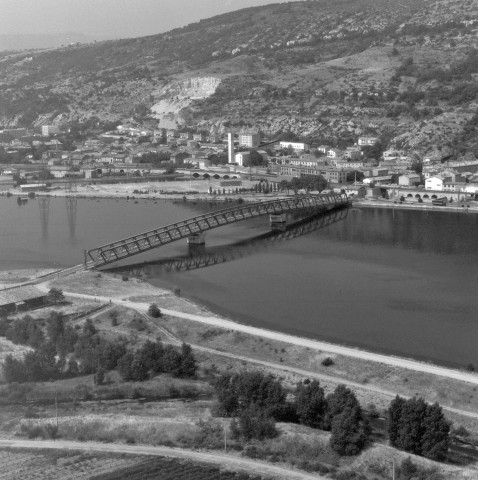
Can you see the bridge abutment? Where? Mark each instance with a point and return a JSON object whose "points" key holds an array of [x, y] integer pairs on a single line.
{"points": [[197, 239]]}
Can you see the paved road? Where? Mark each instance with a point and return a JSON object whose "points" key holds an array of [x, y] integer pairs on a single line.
{"points": [[217, 458]]}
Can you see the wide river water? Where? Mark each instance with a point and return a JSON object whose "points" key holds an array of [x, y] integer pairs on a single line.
{"points": [[399, 282]]}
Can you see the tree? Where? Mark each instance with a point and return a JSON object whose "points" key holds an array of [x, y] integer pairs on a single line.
{"points": [[124, 366], [110, 353], [170, 168], [88, 328], [99, 377], [394, 416], [14, 370], [188, 365], [349, 431], [253, 424], [310, 404], [411, 427], [55, 295], [154, 311], [139, 369], [418, 428], [337, 402], [435, 440], [241, 390], [171, 361]]}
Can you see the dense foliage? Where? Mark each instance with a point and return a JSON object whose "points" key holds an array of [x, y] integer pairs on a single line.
{"points": [[155, 358], [419, 428], [255, 400], [62, 351]]}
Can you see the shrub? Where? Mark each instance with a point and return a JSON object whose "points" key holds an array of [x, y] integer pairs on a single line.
{"points": [[138, 323], [154, 311], [253, 424], [327, 362]]}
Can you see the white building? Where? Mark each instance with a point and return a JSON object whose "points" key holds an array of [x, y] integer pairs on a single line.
{"points": [[434, 183], [242, 158], [410, 180], [296, 146], [250, 140], [47, 130], [367, 141]]}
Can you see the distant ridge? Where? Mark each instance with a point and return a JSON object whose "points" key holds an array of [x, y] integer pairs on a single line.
{"points": [[26, 41], [324, 71]]}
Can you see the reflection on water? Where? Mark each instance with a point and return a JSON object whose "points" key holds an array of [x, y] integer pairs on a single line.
{"points": [[403, 282], [44, 206], [439, 232], [71, 210], [200, 257]]}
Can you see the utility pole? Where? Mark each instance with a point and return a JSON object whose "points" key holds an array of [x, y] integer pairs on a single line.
{"points": [[225, 438], [56, 409], [393, 469]]}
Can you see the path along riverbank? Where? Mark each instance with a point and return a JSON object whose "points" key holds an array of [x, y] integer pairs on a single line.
{"points": [[127, 294]]}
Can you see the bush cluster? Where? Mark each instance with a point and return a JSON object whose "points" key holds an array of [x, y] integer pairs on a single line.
{"points": [[419, 428], [155, 358], [64, 352], [255, 401]]}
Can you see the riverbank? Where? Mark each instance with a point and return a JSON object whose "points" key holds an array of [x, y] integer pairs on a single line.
{"points": [[376, 377], [195, 190], [458, 207]]}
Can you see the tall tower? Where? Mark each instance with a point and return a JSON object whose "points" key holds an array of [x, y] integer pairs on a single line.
{"points": [[230, 147]]}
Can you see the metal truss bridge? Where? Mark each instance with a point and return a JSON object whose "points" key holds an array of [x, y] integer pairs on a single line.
{"points": [[203, 258], [128, 247]]}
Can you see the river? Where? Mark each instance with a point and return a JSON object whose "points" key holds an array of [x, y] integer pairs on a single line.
{"points": [[399, 282]]}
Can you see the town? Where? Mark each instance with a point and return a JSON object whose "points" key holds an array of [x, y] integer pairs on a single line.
{"points": [[54, 156]]}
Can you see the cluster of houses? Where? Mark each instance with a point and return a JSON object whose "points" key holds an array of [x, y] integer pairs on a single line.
{"points": [[122, 152]]}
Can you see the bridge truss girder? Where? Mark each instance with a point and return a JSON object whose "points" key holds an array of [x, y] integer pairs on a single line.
{"points": [[145, 241]]}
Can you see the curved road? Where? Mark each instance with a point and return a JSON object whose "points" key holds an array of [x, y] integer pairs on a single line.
{"points": [[284, 337], [217, 458]]}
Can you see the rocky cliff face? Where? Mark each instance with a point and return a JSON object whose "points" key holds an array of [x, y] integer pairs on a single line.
{"points": [[177, 95]]}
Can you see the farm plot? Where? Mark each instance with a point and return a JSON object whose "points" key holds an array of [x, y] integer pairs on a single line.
{"points": [[62, 465], [169, 469]]}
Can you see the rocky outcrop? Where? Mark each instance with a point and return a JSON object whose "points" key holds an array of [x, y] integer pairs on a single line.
{"points": [[175, 96]]}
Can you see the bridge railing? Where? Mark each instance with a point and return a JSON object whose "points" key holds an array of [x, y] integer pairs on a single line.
{"points": [[145, 241]]}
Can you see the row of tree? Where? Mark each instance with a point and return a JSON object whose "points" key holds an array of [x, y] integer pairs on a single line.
{"points": [[306, 182], [419, 428], [62, 351], [155, 358], [256, 401]]}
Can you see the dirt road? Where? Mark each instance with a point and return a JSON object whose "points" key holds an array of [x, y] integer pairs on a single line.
{"points": [[284, 337], [233, 462]]}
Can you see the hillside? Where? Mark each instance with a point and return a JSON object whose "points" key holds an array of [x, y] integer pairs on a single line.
{"points": [[325, 70]]}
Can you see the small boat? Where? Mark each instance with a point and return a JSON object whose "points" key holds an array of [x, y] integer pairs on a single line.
{"points": [[22, 199]]}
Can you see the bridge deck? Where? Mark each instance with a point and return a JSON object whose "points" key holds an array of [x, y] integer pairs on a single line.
{"points": [[143, 242]]}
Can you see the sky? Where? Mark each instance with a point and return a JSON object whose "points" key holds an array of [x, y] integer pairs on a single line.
{"points": [[110, 18]]}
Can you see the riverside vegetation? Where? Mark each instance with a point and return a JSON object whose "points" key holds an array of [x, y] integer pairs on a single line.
{"points": [[255, 406]]}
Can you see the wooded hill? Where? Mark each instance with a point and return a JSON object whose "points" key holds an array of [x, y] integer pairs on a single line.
{"points": [[325, 70]]}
